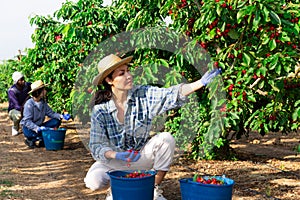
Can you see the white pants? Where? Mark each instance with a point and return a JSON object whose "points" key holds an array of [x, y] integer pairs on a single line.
{"points": [[157, 154]]}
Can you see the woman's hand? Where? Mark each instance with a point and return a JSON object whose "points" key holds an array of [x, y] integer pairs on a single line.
{"points": [[65, 116], [209, 75], [42, 128], [189, 88], [128, 156]]}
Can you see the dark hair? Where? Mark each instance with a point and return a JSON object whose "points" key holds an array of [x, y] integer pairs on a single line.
{"points": [[103, 94], [37, 92]]}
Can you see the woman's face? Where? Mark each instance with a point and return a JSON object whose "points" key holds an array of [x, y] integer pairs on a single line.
{"points": [[43, 93], [121, 78]]}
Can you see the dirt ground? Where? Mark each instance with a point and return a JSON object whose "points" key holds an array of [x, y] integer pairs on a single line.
{"points": [[266, 168]]}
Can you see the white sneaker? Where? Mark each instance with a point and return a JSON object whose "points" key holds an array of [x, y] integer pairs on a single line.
{"points": [[158, 193], [109, 195], [14, 132]]}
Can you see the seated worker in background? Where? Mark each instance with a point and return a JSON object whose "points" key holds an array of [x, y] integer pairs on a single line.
{"points": [[35, 110], [17, 95]]}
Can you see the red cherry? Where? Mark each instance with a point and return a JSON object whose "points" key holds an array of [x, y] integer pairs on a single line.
{"points": [[224, 5], [58, 37], [216, 64], [203, 45], [90, 90]]}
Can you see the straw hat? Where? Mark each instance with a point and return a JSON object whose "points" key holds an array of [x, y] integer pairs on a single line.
{"points": [[107, 65], [37, 85]]}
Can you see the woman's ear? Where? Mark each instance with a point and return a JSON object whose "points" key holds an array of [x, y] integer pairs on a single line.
{"points": [[108, 80]]}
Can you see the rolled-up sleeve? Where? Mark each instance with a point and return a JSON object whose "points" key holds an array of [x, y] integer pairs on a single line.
{"points": [[164, 99]]}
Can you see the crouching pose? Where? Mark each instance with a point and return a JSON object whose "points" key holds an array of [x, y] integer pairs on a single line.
{"points": [[121, 122], [35, 111]]}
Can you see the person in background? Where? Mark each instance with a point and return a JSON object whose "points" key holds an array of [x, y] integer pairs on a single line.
{"points": [[17, 94], [121, 122], [35, 111]]}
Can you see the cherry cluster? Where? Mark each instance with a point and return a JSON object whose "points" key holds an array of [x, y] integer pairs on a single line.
{"points": [[211, 180], [136, 174]]}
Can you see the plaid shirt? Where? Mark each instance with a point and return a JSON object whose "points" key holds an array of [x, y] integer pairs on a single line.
{"points": [[143, 104]]}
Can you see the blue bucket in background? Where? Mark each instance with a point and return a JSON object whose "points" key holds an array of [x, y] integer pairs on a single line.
{"points": [[54, 139], [191, 190], [132, 188]]}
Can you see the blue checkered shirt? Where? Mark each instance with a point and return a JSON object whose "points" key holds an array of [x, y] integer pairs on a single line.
{"points": [[143, 104]]}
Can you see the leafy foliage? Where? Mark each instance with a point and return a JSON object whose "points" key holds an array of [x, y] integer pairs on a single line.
{"points": [[254, 42]]}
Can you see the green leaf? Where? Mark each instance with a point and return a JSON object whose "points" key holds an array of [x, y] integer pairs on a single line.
{"points": [[66, 29], [213, 86], [297, 28], [164, 62], [251, 98], [240, 15], [261, 84], [221, 102], [296, 114], [284, 37], [233, 34], [272, 44], [234, 116], [263, 71], [274, 61], [71, 33], [275, 18], [278, 68], [219, 10], [297, 103], [266, 14], [256, 20], [195, 177], [271, 82], [246, 59], [212, 33]]}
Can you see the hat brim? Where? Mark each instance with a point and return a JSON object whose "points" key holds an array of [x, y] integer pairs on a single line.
{"points": [[100, 77], [35, 89]]}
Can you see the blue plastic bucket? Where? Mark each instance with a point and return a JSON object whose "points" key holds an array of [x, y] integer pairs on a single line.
{"points": [[54, 139], [132, 188], [191, 190]]}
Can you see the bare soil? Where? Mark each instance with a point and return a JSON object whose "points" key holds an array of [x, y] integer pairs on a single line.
{"points": [[266, 168]]}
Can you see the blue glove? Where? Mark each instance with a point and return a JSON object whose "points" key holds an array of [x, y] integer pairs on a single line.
{"points": [[42, 128], [136, 155], [128, 156], [122, 155], [208, 76], [66, 116]]}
